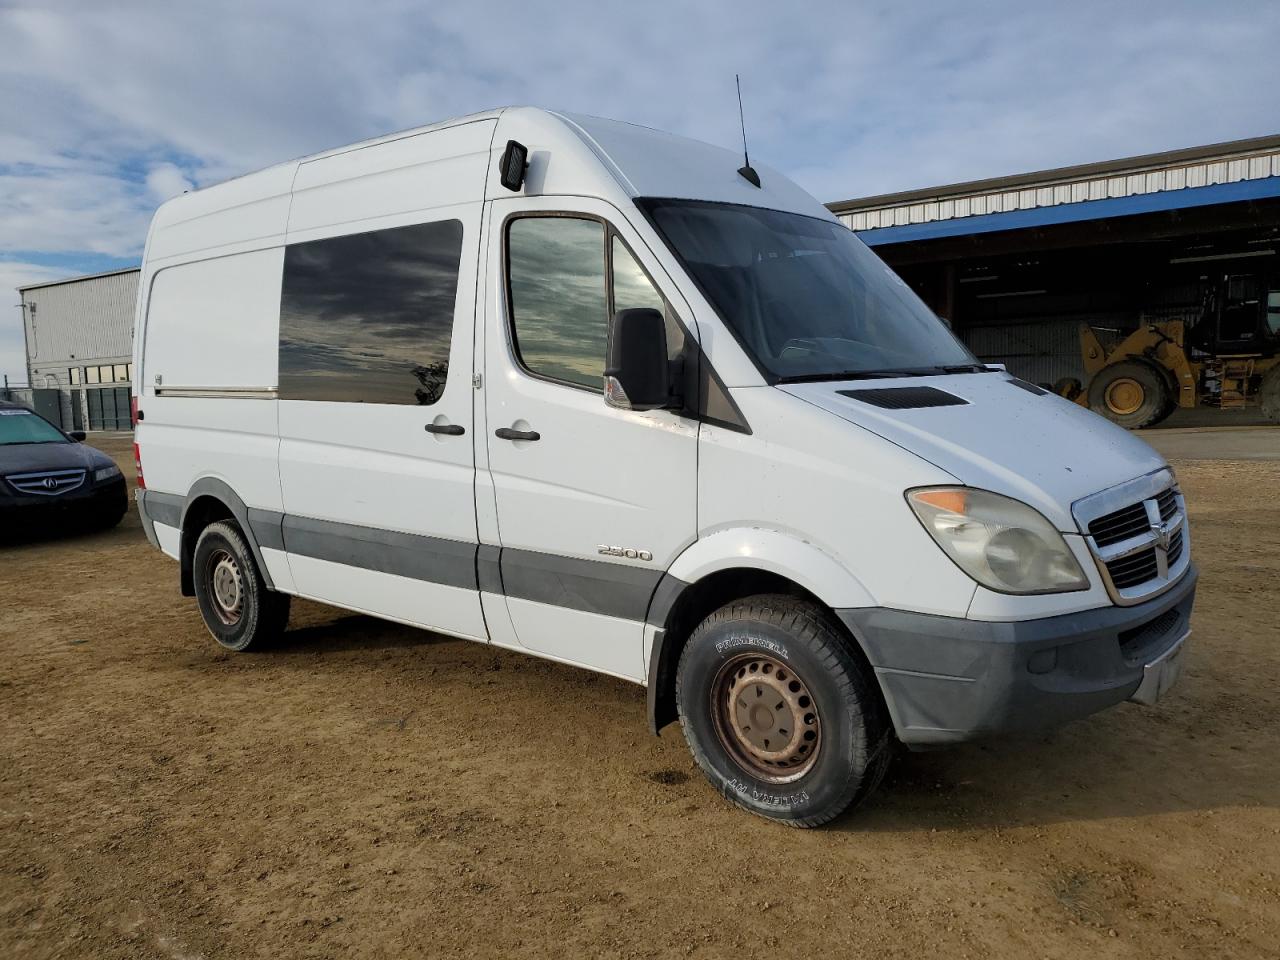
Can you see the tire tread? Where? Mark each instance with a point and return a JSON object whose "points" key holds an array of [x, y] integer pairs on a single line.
{"points": [[811, 626]]}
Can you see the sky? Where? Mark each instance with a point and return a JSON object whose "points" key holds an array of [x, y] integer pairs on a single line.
{"points": [[108, 109]]}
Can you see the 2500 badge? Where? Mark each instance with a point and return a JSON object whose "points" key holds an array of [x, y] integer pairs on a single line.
{"points": [[629, 552]]}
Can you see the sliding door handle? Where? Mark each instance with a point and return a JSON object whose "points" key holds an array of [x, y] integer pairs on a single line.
{"points": [[507, 433], [448, 429]]}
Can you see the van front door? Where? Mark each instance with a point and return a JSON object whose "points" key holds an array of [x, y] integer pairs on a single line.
{"points": [[593, 503]]}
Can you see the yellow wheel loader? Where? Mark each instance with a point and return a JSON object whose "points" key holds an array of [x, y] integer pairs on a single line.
{"points": [[1229, 357]]}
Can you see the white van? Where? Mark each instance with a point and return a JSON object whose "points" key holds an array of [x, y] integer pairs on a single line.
{"points": [[589, 391]]}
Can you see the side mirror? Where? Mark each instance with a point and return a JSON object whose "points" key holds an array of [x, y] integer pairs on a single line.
{"points": [[637, 375], [79, 436]]}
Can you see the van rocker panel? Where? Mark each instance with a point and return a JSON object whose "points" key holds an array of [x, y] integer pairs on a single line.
{"points": [[948, 680]]}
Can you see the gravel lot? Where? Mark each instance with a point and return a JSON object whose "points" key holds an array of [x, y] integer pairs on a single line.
{"points": [[366, 790]]}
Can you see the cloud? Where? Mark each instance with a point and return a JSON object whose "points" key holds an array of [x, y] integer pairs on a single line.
{"points": [[106, 109], [165, 181]]}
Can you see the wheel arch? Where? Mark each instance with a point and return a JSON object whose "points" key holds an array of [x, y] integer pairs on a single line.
{"points": [[732, 565], [210, 500]]}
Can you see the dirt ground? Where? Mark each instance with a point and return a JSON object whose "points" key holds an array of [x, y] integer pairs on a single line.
{"points": [[367, 790]]}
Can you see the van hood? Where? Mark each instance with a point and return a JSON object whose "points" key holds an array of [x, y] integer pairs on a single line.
{"points": [[1034, 446]]}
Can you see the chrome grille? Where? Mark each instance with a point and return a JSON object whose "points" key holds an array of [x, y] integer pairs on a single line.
{"points": [[1138, 535], [48, 484]]}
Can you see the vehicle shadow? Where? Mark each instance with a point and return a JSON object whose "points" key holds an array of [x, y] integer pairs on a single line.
{"points": [[1191, 755], [1197, 751], [21, 536], [346, 633]]}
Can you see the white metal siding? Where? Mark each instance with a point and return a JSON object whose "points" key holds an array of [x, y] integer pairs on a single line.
{"points": [[81, 322], [1200, 173]]}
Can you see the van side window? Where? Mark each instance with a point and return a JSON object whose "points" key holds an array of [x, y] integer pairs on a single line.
{"points": [[559, 302], [563, 290], [368, 318]]}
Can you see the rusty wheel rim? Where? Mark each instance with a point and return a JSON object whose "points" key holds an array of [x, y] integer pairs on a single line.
{"points": [[1124, 396], [765, 718], [226, 587]]}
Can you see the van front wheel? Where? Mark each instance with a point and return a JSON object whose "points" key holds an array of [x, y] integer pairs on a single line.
{"points": [[233, 598], [779, 713]]}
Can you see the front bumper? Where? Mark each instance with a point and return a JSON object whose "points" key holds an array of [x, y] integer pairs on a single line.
{"points": [[947, 680], [87, 505]]}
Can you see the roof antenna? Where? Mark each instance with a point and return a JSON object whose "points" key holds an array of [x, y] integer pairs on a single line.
{"points": [[746, 171]]}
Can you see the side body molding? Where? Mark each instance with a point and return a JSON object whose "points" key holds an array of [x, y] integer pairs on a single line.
{"points": [[737, 548], [258, 526]]}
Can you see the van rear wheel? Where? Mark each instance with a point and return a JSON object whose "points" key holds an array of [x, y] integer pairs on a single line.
{"points": [[232, 595], [781, 716]]}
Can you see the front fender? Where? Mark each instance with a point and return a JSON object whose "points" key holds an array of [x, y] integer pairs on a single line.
{"points": [[775, 551], [736, 548]]}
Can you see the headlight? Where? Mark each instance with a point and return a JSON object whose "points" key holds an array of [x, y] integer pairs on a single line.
{"points": [[1000, 542], [105, 473]]}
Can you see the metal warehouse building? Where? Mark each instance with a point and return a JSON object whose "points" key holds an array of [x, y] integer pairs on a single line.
{"points": [[79, 337], [1018, 264]]}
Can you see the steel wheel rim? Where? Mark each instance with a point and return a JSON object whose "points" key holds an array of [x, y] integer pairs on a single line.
{"points": [[1124, 396], [226, 587], [766, 718]]}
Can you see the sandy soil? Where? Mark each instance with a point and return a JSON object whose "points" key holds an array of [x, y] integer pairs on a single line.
{"points": [[367, 790]]}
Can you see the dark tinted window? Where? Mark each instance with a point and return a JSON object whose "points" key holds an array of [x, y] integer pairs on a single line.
{"points": [[559, 303], [368, 318], [804, 295]]}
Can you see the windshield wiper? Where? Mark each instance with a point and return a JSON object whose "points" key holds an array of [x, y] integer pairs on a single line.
{"points": [[967, 368], [858, 375]]}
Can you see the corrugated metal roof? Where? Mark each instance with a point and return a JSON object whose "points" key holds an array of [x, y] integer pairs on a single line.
{"points": [[1220, 163], [87, 276]]}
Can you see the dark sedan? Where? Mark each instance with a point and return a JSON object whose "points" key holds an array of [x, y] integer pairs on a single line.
{"points": [[49, 479]]}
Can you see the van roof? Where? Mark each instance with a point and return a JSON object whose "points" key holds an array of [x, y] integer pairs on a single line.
{"points": [[358, 145], [592, 152]]}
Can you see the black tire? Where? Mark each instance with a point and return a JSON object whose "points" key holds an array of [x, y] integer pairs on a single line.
{"points": [[1131, 394], [114, 514], [852, 736], [1269, 394], [111, 520], [244, 615], [1167, 410]]}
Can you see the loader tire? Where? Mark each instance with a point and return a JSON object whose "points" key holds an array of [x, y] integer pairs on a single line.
{"points": [[1269, 395], [1131, 394]]}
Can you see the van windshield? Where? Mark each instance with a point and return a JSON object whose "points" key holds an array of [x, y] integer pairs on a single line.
{"points": [[804, 296]]}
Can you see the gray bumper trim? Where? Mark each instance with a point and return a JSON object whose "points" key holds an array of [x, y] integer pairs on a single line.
{"points": [[947, 680], [153, 508]]}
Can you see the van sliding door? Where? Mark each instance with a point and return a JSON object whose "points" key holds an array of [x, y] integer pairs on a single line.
{"points": [[377, 466]]}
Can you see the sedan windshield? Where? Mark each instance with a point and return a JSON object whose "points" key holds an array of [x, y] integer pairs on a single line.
{"points": [[804, 296], [23, 426]]}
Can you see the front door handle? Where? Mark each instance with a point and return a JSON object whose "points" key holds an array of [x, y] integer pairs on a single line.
{"points": [[507, 433], [448, 429]]}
